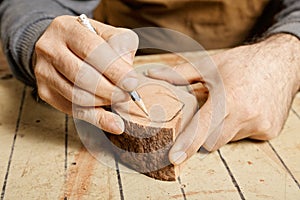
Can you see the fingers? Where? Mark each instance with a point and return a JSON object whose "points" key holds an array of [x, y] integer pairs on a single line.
{"points": [[53, 98], [85, 77], [105, 120], [100, 54], [204, 131], [46, 74], [101, 118]]}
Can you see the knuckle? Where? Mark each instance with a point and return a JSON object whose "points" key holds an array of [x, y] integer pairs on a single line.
{"points": [[60, 21], [90, 48], [57, 21], [101, 119], [84, 77], [41, 47], [265, 127], [85, 114], [268, 130], [44, 45], [268, 135], [80, 114], [114, 71], [43, 93], [44, 49], [80, 98], [40, 72]]}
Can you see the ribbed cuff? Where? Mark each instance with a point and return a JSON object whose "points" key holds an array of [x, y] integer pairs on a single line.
{"points": [[26, 42]]}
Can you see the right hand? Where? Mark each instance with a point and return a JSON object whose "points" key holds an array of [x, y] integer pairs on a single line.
{"points": [[78, 72]]}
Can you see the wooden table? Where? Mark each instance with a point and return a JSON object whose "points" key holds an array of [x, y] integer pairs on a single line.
{"points": [[42, 158]]}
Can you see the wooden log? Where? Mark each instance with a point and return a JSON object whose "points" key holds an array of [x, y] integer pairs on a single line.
{"points": [[145, 144]]}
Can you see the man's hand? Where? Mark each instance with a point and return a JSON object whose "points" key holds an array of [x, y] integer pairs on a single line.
{"points": [[75, 67], [259, 81]]}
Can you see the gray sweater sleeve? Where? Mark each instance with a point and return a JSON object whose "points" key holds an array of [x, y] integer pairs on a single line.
{"points": [[288, 19], [23, 22]]}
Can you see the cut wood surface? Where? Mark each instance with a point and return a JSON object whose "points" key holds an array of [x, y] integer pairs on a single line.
{"points": [[145, 144]]}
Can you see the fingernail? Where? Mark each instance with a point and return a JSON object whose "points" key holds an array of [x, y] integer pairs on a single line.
{"points": [[178, 157], [119, 96], [130, 84], [118, 127], [155, 70]]}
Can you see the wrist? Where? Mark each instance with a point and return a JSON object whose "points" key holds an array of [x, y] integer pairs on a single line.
{"points": [[285, 48]]}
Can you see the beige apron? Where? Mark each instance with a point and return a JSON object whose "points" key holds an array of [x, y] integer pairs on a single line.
{"points": [[213, 23]]}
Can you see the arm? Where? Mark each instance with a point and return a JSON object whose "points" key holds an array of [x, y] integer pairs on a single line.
{"points": [[288, 21], [23, 22]]}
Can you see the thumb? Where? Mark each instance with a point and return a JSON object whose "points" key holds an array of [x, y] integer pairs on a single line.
{"points": [[194, 135], [182, 74]]}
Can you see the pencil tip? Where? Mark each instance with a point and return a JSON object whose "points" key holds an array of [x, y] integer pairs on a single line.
{"points": [[143, 107]]}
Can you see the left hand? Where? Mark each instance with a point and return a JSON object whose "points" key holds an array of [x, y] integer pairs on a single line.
{"points": [[259, 81]]}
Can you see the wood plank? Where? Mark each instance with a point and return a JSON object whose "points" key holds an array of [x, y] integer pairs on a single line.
{"points": [[205, 177], [10, 100], [287, 144], [258, 171], [87, 178], [37, 170], [138, 186]]}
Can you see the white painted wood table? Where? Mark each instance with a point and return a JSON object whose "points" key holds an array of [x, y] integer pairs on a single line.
{"points": [[41, 158]]}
